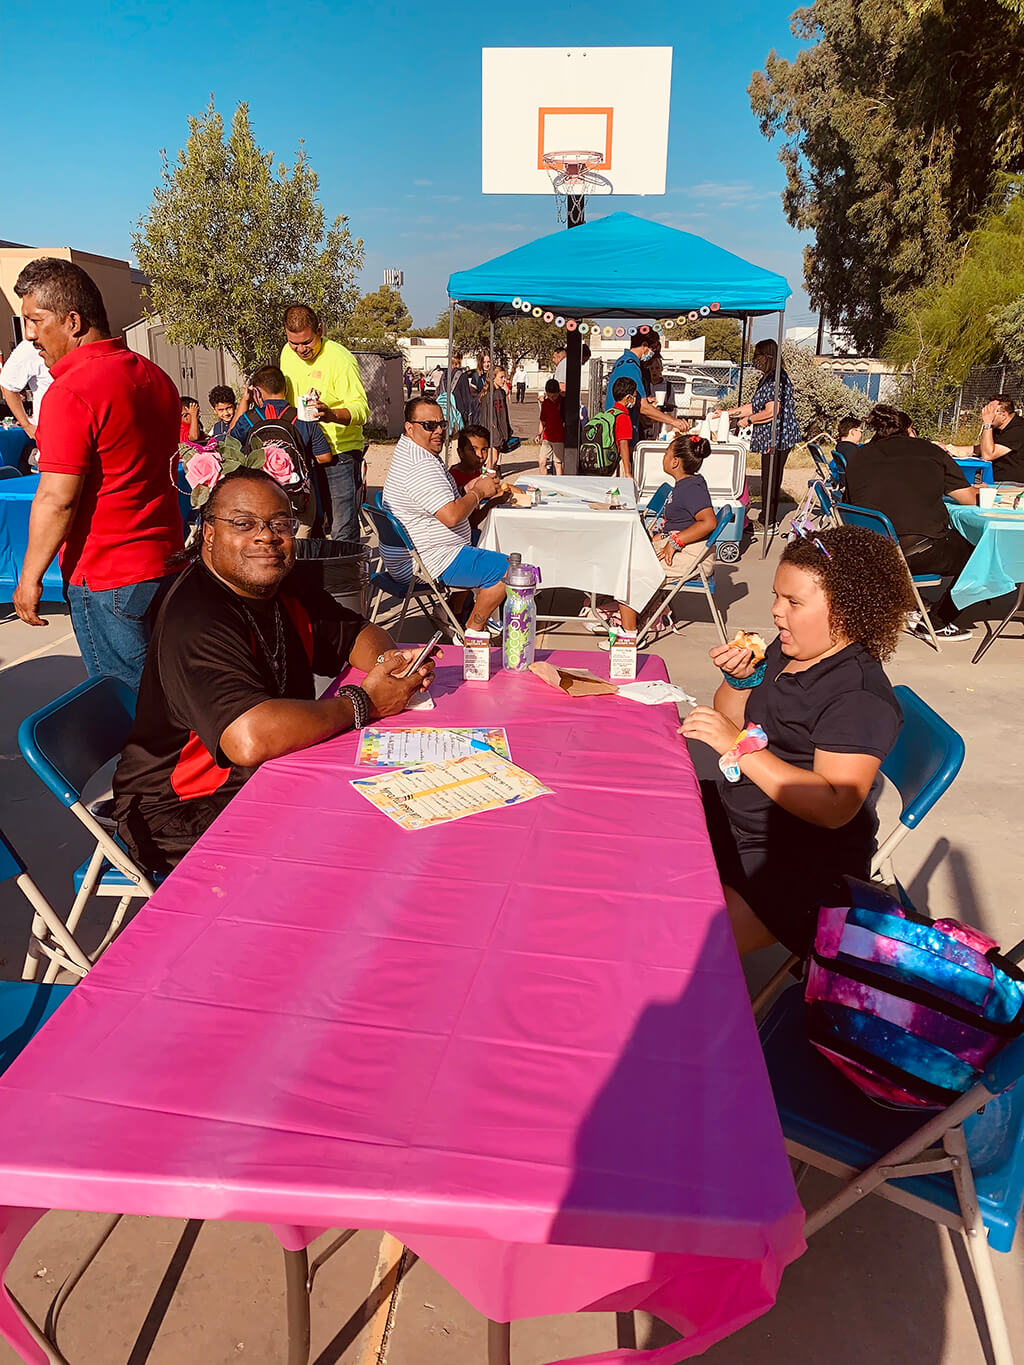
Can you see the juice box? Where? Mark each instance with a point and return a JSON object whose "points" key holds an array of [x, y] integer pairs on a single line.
{"points": [[476, 656], [622, 655]]}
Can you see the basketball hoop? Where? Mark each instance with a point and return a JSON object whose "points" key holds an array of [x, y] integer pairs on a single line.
{"points": [[573, 176]]}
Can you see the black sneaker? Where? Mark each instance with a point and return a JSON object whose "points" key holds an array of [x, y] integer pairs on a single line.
{"points": [[949, 632]]}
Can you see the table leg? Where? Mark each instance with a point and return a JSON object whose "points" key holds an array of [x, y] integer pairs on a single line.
{"points": [[994, 635], [499, 1343], [625, 1331], [296, 1272]]}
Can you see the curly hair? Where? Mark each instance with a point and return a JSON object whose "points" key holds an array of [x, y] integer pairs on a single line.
{"points": [[865, 580]]}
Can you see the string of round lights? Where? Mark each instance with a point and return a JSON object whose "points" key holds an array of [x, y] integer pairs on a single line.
{"points": [[596, 329]]}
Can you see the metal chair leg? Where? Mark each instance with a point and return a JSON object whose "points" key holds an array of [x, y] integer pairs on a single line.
{"points": [[978, 1250], [296, 1275], [499, 1343]]}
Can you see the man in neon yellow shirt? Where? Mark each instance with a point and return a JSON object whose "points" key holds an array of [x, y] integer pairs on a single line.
{"points": [[310, 362]]}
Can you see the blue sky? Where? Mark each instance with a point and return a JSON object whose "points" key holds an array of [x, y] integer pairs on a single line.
{"points": [[387, 99]]}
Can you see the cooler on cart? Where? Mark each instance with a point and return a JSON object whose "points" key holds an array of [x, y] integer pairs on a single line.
{"points": [[725, 473]]}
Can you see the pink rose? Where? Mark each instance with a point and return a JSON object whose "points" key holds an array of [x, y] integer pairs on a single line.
{"points": [[278, 463], [202, 468]]}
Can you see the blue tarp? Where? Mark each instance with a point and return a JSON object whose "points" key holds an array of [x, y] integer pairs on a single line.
{"points": [[621, 266]]}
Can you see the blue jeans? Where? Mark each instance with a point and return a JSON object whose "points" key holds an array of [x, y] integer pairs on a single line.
{"points": [[343, 522], [113, 627]]}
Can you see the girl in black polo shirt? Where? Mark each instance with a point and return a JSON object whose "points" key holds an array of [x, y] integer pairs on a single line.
{"points": [[802, 812]]}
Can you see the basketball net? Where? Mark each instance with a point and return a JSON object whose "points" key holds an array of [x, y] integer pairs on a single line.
{"points": [[573, 176]]}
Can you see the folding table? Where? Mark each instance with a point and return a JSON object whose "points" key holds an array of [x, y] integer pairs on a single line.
{"points": [[521, 1042], [997, 565]]}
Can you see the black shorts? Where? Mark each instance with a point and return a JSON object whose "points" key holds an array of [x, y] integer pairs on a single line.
{"points": [[158, 850], [783, 886]]}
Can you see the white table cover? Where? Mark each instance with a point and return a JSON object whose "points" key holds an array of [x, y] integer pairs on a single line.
{"points": [[576, 547]]}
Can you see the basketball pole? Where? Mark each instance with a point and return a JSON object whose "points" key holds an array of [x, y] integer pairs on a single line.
{"points": [[575, 215]]}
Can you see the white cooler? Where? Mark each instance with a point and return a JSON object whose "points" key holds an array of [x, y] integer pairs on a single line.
{"points": [[725, 473]]}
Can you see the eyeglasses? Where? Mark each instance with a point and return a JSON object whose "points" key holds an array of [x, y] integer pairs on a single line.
{"points": [[247, 526], [431, 424]]}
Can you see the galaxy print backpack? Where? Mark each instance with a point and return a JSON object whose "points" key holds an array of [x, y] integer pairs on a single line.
{"points": [[911, 1010]]}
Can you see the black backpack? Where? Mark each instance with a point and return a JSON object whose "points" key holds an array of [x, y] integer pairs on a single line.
{"points": [[280, 431]]}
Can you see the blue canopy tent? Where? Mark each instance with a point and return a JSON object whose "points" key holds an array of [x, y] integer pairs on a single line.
{"points": [[621, 266]]}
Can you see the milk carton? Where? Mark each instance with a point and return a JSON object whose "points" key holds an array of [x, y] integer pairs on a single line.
{"points": [[307, 406], [476, 656], [622, 655]]}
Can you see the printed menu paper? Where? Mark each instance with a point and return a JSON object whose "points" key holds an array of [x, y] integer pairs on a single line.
{"points": [[419, 798], [403, 746]]}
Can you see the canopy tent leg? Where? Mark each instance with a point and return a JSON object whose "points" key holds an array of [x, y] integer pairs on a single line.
{"points": [[767, 510], [571, 406], [448, 372], [490, 373]]}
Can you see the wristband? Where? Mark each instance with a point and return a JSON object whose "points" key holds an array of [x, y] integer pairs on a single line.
{"points": [[755, 680], [360, 700], [986, 426], [749, 741]]}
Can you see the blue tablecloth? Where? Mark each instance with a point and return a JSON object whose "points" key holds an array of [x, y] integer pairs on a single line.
{"points": [[997, 564], [13, 444], [15, 504]]}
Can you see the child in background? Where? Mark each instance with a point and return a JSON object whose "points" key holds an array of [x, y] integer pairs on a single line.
{"points": [[222, 400], [473, 447], [191, 429], [624, 394], [688, 518], [551, 433]]}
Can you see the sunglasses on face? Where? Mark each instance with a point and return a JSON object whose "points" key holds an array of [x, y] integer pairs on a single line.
{"points": [[431, 424]]}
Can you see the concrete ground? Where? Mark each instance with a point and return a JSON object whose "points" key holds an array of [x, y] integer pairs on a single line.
{"points": [[880, 1285]]}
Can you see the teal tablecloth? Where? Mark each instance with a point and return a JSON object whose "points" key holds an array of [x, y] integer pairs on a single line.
{"points": [[997, 565], [15, 505]]}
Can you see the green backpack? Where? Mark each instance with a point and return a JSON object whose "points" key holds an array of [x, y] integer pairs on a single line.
{"points": [[598, 452]]}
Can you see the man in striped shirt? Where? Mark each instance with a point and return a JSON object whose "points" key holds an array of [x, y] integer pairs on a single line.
{"points": [[421, 495]]}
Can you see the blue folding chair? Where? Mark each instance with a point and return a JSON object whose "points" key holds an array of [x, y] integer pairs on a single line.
{"points": [[962, 1168], [65, 744], [656, 504], [26, 1005], [829, 471], [921, 765], [660, 609], [422, 588], [870, 520]]}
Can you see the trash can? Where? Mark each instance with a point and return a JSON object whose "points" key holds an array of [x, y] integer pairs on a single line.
{"points": [[340, 567]]}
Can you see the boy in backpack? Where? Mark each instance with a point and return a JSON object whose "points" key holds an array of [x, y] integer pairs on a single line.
{"points": [[270, 418], [607, 440], [624, 392]]}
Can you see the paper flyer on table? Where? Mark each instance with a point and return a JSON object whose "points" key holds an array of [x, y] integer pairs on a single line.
{"points": [[419, 798], [403, 746]]}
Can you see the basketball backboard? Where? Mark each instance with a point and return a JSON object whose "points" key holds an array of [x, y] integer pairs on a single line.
{"points": [[542, 100]]}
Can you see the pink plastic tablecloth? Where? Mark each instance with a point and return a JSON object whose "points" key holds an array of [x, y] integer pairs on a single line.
{"points": [[521, 1042]]}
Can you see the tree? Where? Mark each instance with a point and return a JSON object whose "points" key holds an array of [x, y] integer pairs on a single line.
{"points": [[723, 337], [896, 124], [515, 337], [820, 399], [378, 319], [228, 243], [970, 317]]}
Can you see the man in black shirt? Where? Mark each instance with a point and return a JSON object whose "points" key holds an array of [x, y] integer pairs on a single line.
{"points": [[906, 478], [228, 681], [1002, 440]]}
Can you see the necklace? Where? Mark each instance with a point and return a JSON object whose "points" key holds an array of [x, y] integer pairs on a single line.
{"points": [[277, 657]]}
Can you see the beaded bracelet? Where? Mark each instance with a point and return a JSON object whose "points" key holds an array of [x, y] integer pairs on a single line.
{"points": [[755, 679]]}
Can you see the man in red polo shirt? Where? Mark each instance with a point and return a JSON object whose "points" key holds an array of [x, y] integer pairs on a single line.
{"points": [[106, 441]]}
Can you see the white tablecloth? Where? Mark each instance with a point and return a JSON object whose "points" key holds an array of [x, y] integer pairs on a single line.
{"points": [[576, 547]]}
